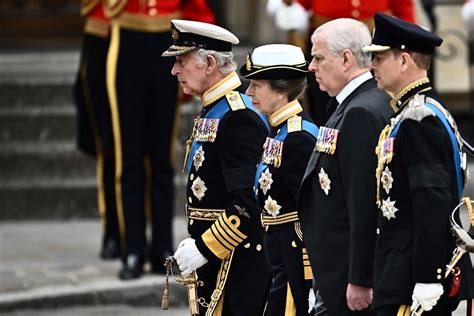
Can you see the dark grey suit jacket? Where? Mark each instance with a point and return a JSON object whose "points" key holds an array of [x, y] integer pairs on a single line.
{"points": [[340, 228]]}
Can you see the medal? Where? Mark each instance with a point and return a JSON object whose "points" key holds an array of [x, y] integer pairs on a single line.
{"points": [[388, 208], [272, 207], [265, 181], [324, 181], [198, 158], [387, 179], [199, 188], [272, 152], [206, 129], [326, 141]]}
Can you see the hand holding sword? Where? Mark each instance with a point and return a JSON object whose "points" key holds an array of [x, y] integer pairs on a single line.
{"points": [[465, 243]]}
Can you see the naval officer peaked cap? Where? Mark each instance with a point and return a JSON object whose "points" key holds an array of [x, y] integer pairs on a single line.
{"points": [[391, 32], [275, 61], [191, 35]]}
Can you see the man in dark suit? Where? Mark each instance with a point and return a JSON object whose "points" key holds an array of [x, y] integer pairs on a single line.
{"points": [[337, 193], [420, 177]]}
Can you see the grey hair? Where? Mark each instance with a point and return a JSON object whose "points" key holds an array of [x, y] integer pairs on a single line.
{"points": [[225, 60], [343, 34]]}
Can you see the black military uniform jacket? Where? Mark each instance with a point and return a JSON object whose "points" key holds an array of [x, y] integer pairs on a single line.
{"points": [[337, 196], [277, 183], [417, 191], [223, 214]]}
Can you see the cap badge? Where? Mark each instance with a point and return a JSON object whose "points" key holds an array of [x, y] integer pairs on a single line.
{"points": [[248, 63], [174, 34]]}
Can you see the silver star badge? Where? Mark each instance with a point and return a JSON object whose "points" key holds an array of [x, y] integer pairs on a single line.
{"points": [[387, 179], [198, 158], [324, 181], [272, 207], [265, 181], [199, 188], [388, 208]]}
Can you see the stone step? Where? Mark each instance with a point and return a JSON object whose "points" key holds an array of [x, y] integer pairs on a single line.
{"points": [[20, 161], [33, 95], [37, 124], [61, 198]]}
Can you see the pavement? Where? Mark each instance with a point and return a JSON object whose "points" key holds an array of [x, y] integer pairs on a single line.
{"points": [[54, 264]]}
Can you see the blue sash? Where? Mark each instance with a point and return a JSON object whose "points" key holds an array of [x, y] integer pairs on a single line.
{"points": [[454, 143], [306, 126], [217, 112]]}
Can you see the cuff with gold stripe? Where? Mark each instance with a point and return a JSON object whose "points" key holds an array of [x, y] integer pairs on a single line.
{"points": [[308, 271], [223, 236]]}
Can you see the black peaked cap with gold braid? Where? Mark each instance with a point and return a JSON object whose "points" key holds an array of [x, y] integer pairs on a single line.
{"points": [[275, 61], [191, 35]]}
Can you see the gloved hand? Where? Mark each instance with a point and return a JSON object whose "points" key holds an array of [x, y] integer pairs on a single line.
{"points": [[292, 17], [467, 15], [188, 257], [427, 294], [311, 301]]}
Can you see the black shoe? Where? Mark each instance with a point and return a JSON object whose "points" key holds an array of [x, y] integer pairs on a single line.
{"points": [[132, 268], [110, 249]]}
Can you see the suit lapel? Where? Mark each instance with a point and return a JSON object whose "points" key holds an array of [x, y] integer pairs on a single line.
{"points": [[334, 120]]}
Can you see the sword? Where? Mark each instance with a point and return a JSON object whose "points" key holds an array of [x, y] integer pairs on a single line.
{"points": [[464, 243], [190, 282]]}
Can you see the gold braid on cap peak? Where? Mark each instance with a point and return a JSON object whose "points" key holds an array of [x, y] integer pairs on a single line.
{"points": [[248, 62]]}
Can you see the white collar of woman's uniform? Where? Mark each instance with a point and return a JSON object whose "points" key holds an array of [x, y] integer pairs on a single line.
{"points": [[352, 85]]}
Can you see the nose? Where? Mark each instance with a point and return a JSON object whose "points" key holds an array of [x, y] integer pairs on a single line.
{"points": [[175, 69], [312, 66], [249, 90]]}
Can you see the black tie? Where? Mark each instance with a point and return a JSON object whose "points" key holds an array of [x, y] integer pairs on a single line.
{"points": [[332, 106]]}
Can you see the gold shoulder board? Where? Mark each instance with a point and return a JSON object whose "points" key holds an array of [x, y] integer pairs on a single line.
{"points": [[87, 6], [235, 100], [294, 124], [113, 8]]}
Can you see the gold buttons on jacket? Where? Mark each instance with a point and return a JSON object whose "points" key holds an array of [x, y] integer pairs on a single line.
{"points": [[247, 245], [355, 3], [439, 270], [151, 3], [378, 231], [355, 14], [293, 244], [190, 200], [191, 177], [152, 11], [259, 247]]}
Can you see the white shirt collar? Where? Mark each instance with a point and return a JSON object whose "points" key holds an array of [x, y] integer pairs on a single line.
{"points": [[352, 85]]}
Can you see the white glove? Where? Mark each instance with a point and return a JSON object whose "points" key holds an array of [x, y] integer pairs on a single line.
{"points": [[427, 295], [467, 15], [292, 17], [273, 6], [311, 300], [188, 257]]}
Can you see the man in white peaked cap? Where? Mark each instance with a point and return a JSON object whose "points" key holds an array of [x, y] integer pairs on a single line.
{"points": [[226, 244]]}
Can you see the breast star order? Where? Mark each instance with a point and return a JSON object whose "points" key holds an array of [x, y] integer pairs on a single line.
{"points": [[199, 188], [324, 181], [198, 158], [265, 181], [272, 207], [386, 179], [388, 208]]}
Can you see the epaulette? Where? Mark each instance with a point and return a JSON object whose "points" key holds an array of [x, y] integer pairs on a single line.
{"points": [[235, 100], [416, 109], [87, 6], [295, 124], [112, 8]]}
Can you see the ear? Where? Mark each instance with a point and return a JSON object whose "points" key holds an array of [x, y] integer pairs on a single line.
{"points": [[211, 64], [347, 58], [405, 61]]}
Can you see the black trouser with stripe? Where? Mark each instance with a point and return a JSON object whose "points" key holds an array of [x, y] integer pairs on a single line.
{"points": [[289, 290], [143, 96], [94, 121]]}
